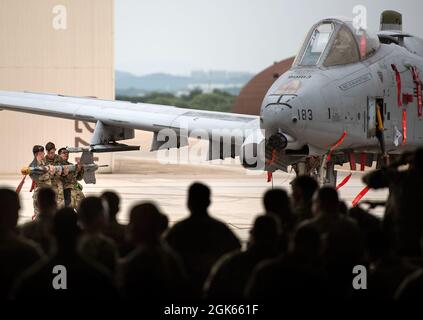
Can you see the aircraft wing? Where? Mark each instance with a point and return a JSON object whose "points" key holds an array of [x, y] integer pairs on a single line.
{"points": [[116, 120]]}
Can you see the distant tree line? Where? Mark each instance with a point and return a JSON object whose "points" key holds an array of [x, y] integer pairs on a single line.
{"points": [[216, 101]]}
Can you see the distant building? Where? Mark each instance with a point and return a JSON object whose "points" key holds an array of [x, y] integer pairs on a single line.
{"points": [[59, 47], [251, 96]]}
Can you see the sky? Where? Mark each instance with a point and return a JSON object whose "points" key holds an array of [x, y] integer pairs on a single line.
{"points": [[178, 36]]}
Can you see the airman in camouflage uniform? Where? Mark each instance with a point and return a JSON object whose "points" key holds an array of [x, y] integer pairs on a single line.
{"points": [[72, 189], [56, 177], [39, 180]]}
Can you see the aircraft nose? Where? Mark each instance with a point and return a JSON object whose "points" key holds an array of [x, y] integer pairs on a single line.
{"points": [[280, 114], [273, 117], [277, 115]]}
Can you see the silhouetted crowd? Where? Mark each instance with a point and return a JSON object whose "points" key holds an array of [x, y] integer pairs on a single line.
{"points": [[304, 247]]}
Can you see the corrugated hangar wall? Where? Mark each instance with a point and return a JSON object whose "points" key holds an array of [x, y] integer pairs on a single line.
{"points": [[62, 47]]}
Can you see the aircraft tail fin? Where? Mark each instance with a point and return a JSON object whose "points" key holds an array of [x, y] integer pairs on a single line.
{"points": [[391, 21]]}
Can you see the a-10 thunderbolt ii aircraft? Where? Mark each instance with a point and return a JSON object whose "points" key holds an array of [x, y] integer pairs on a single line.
{"points": [[350, 96]]}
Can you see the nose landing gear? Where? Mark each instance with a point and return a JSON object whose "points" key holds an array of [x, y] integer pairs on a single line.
{"points": [[327, 173], [319, 168]]}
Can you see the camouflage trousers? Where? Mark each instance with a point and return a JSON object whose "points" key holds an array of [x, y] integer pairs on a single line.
{"points": [[59, 199], [58, 188], [34, 201], [73, 197]]}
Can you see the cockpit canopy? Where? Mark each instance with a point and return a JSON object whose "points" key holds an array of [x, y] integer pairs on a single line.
{"points": [[334, 42]]}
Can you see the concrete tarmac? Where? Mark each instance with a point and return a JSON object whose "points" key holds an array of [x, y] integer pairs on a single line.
{"points": [[236, 193]]}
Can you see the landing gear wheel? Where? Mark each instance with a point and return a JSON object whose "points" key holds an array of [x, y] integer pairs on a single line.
{"points": [[319, 168]]}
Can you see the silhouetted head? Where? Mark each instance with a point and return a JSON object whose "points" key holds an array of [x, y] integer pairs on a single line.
{"points": [[343, 208], [198, 198], [276, 201], [46, 202], [379, 245], [65, 228], [113, 202], [326, 201], [303, 188], [9, 213], [164, 223], [307, 242], [264, 232], [93, 214], [145, 223]]}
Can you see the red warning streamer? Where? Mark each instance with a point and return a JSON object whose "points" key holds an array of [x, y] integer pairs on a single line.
{"points": [[416, 79], [343, 182], [336, 145], [362, 161], [404, 126], [398, 78], [270, 162], [407, 98], [353, 165], [359, 196], [19, 188], [33, 185]]}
